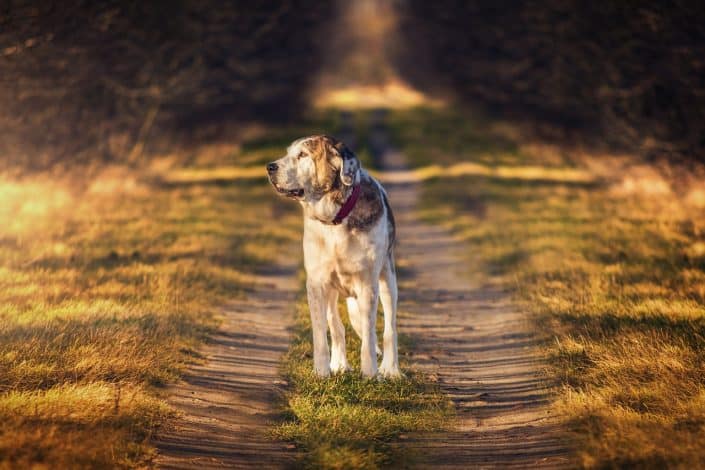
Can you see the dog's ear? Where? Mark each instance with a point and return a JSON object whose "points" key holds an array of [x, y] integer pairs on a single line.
{"points": [[331, 156], [350, 165], [323, 154]]}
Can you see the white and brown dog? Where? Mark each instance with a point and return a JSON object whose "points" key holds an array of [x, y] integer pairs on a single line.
{"points": [[348, 241]]}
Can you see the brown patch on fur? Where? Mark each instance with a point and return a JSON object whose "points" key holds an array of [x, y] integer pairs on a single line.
{"points": [[369, 206], [337, 285], [320, 242], [320, 149], [329, 154]]}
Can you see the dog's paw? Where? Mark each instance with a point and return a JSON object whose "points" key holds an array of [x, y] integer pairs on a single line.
{"points": [[322, 371], [389, 372], [339, 368]]}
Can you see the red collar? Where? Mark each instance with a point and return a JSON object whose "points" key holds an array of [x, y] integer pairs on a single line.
{"points": [[348, 206]]}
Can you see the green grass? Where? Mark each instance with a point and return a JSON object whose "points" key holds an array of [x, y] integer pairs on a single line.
{"points": [[613, 273], [348, 421]]}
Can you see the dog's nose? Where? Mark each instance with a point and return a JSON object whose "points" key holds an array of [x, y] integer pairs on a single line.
{"points": [[272, 167]]}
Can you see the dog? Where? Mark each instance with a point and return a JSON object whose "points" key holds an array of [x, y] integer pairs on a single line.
{"points": [[348, 243]]}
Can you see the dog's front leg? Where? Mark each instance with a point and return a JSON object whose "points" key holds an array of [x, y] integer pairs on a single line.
{"points": [[317, 306], [338, 361], [367, 303]]}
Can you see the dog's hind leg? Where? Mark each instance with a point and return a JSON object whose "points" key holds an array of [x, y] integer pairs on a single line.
{"points": [[338, 361], [388, 296], [367, 300], [354, 315]]}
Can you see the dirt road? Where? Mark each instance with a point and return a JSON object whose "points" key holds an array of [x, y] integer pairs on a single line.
{"points": [[472, 337], [227, 403], [467, 333]]}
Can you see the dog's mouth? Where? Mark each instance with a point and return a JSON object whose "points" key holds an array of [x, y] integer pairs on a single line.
{"points": [[293, 193]]}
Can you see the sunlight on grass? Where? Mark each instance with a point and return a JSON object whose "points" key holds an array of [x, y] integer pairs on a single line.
{"points": [[26, 205], [106, 422], [613, 271], [394, 94], [528, 173]]}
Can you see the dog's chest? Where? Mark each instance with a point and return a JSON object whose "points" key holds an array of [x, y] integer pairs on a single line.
{"points": [[336, 250], [337, 257]]}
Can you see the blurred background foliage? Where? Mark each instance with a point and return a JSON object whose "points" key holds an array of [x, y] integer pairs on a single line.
{"points": [[115, 80], [83, 80], [627, 73]]}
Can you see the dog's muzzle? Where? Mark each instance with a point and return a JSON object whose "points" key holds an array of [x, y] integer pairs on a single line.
{"points": [[272, 169]]}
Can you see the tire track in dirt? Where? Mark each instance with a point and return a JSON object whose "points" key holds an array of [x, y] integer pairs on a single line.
{"points": [[226, 404], [474, 339]]}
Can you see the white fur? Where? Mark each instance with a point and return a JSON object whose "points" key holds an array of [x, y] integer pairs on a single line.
{"points": [[340, 261]]}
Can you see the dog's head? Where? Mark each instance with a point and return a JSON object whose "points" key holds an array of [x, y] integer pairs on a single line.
{"points": [[312, 167]]}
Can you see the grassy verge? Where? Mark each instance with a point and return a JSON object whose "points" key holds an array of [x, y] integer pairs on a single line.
{"points": [[107, 288], [614, 272]]}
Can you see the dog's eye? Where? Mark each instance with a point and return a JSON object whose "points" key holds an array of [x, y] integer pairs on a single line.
{"points": [[301, 155]]}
